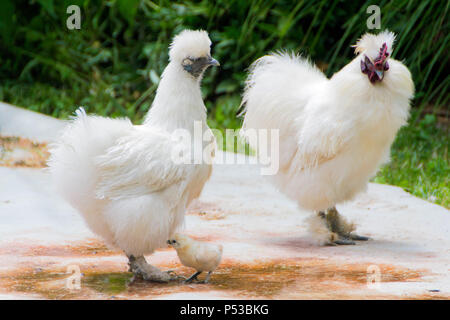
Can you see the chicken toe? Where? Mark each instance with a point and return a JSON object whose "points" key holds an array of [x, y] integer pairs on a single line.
{"points": [[341, 242], [193, 277], [141, 269], [357, 237], [341, 227]]}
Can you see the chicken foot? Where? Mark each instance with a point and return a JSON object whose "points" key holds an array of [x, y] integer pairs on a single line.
{"points": [[340, 227], [141, 269], [195, 275]]}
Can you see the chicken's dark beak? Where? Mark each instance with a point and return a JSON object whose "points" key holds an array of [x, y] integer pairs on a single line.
{"points": [[380, 74], [213, 62]]}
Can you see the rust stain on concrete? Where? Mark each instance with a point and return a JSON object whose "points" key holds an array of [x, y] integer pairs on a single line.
{"points": [[22, 152], [275, 279], [91, 247], [206, 210]]}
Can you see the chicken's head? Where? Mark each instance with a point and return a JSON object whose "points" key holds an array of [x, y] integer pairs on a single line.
{"points": [[375, 70], [191, 49], [374, 51], [178, 241]]}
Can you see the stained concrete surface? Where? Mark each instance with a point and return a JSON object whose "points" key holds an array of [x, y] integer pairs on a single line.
{"points": [[268, 253]]}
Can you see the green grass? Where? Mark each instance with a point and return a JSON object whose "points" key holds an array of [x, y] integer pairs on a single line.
{"points": [[113, 63], [420, 162]]}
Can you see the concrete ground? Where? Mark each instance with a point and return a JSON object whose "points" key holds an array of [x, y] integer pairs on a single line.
{"points": [[268, 253]]}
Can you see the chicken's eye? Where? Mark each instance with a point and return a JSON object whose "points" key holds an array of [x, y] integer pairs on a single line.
{"points": [[187, 62], [188, 65]]}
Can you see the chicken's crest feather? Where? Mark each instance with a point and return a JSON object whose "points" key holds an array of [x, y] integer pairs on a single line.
{"points": [[370, 43], [190, 43]]}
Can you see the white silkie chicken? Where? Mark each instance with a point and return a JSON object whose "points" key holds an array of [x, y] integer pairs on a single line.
{"points": [[334, 133], [122, 178]]}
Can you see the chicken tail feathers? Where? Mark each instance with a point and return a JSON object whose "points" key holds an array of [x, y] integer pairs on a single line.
{"points": [[276, 91]]}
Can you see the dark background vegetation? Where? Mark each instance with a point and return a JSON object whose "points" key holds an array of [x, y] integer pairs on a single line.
{"points": [[113, 64]]}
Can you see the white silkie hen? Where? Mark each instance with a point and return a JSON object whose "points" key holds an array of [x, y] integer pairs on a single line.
{"points": [[334, 133], [202, 256], [122, 178]]}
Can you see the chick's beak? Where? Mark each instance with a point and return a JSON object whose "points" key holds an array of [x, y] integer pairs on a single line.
{"points": [[169, 242], [213, 62]]}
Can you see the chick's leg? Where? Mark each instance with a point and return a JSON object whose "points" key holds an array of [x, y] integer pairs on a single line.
{"points": [[141, 269], [193, 277], [208, 276], [338, 225]]}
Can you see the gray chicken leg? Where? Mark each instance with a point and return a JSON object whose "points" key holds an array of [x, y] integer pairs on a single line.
{"points": [[337, 224], [141, 269], [193, 277]]}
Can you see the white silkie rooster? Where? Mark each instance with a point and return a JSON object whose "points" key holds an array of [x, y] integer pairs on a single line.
{"points": [[334, 133]]}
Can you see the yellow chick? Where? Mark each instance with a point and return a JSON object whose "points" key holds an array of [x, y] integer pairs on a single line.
{"points": [[201, 256]]}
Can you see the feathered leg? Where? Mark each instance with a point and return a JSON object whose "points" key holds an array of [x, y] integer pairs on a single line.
{"points": [[141, 269], [340, 226]]}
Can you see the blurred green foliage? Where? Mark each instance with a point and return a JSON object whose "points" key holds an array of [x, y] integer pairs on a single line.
{"points": [[113, 64]]}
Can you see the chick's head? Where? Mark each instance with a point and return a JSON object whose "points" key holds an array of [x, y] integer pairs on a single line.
{"points": [[179, 241], [192, 50]]}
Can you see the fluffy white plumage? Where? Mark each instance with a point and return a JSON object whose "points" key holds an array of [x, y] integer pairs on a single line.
{"points": [[334, 133], [194, 42], [121, 176], [202, 256]]}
